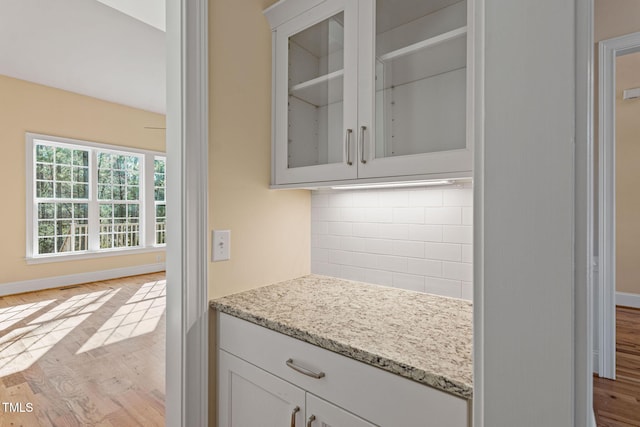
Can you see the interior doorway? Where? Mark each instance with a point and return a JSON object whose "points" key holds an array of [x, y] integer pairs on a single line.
{"points": [[619, 97]]}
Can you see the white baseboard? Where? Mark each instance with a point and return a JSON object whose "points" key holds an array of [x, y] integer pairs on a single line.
{"points": [[593, 419], [628, 300], [76, 279]]}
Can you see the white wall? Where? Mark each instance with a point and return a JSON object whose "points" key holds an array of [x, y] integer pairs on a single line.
{"points": [[418, 239]]}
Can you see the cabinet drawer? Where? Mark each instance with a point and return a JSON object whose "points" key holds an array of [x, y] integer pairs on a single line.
{"points": [[375, 395]]}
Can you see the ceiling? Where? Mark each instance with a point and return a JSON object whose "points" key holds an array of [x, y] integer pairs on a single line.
{"points": [[87, 47]]}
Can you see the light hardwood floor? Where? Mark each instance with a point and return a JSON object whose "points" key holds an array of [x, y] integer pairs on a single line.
{"points": [[88, 355], [617, 403]]}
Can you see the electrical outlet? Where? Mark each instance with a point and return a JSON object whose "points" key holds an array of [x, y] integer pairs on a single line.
{"points": [[221, 246]]}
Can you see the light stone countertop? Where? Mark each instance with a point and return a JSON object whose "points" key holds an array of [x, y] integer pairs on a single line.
{"points": [[423, 337]]}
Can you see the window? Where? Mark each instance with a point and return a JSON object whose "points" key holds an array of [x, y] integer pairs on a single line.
{"points": [[90, 198], [159, 198]]}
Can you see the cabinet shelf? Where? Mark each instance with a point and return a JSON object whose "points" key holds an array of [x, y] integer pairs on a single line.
{"points": [[427, 58], [318, 91]]}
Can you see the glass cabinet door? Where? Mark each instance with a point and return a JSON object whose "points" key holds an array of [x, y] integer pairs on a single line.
{"points": [[318, 100], [418, 71]]}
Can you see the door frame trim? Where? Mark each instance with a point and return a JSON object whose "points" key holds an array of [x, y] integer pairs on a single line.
{"points": [[609, 50], [187, 364]]}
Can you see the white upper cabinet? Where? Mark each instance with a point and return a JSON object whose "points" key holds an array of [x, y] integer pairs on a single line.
{"points": [[367, 89]]}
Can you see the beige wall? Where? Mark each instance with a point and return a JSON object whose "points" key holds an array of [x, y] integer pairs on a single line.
{"points": [[627, 176], [270, 230], [28, 107], [614, 18]]}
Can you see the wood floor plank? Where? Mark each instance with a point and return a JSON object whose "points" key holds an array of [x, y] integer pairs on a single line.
{"points": [[88, 355], [617, 403]]}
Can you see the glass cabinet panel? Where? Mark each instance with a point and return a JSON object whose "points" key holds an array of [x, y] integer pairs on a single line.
{"points": [[420, 77], [315, 94]]}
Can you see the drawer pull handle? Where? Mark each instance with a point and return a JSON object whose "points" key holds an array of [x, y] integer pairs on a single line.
{"points": [[347, 146], [304, 371], [362, 158], [310, 421], [293, 416]]}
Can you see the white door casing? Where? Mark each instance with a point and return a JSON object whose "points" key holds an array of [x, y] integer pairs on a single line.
{"points": [[608, 51], [187, 194]]}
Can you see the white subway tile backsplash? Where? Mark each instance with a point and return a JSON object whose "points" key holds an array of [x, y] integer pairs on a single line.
{"points": [[424, 198], [320, 255], [442, 251], [458, 234], [319, 227], [408, 215], [467, 291], [393, 198], [393, 231], [340, 228], [359, 259], [325, 269], [371, 246], [467, 216], [408, 248], [457, 271], [408, 281], [458, 197], [425, 233], [329, 242], [325, 214], [448, 288], [445, 215], [392, 263], [424, 267], [417, 239], [379, 277], [352, 214], [378, 215], [366, 229], [467, 253], [319, 200], [340, 257], [365, 198], [353, 273], [341, 200]]}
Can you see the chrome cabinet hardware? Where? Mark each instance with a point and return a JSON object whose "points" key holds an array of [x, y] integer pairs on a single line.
{"points": [[293, 416], [304, 371], [347, 145], [310, 421], [362, 159]]}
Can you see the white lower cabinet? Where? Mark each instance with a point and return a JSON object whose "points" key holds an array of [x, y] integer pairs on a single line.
{"points": [[269, 379], [323, 414], [250, 396]]}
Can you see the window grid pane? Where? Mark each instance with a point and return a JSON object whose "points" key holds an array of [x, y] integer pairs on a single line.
{"points": [[119, 225], [62, 227], [159, 185], [61, 173], [65, 194]]}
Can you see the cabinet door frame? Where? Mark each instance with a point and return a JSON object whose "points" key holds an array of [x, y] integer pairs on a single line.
{"points": [[457, 162], [229, 364], [331, 415], [331, 171]]}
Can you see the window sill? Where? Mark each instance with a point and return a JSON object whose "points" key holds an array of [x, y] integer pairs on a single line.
{"points": [[43, 259]]}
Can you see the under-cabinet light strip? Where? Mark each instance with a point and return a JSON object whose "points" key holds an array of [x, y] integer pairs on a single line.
{"points": [[394, 185]]}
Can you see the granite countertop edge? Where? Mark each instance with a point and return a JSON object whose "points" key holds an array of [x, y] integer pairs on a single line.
{"points": [[431, 379]]}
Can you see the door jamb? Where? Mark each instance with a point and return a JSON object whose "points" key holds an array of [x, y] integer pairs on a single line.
{"points": [[609, 50]]}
